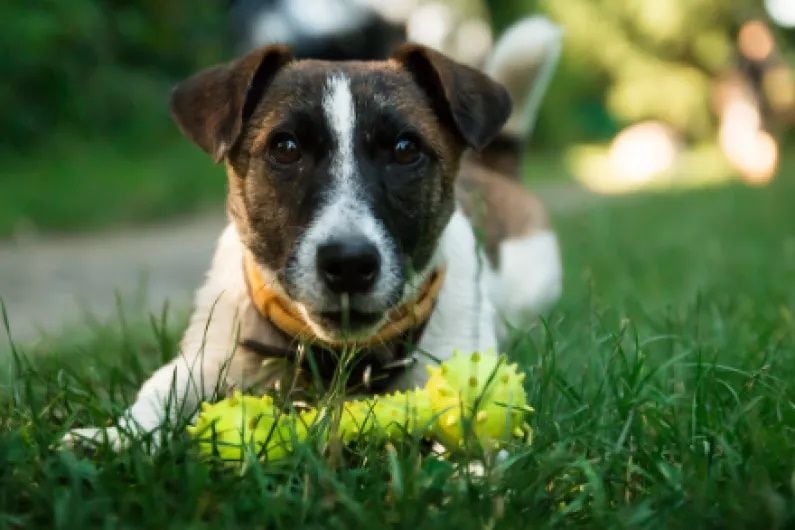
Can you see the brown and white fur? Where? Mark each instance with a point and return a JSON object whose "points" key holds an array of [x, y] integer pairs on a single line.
{"points": [[382, 161]]}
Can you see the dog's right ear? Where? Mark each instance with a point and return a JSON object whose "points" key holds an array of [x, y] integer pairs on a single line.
{"points": [[212, 106]]}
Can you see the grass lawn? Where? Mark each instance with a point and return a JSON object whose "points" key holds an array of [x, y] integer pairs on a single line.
{"points": [[663, 383], [75, 183]]}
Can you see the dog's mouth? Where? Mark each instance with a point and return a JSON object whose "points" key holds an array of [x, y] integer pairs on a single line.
{"points": [[357, 317], [362, 316], [351, 321]]}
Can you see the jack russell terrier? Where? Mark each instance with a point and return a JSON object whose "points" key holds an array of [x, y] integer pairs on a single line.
{"points": [[354, 205]]}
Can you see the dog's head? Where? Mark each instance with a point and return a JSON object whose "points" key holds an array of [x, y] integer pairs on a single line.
{"points": [[341, 174]]}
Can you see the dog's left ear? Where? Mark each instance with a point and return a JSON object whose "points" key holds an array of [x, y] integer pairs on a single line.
{"points": [[477, 106], [212, 106]]}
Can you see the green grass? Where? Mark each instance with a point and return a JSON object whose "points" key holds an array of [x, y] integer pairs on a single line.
{"points": [[663, 383], [74, 183]]}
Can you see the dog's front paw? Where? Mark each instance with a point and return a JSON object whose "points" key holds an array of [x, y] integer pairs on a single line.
{"points": [[92, 438]]}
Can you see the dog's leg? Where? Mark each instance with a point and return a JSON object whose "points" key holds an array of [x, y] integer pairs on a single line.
{"points": [[208, 356], [522, 246], [464, 317]]}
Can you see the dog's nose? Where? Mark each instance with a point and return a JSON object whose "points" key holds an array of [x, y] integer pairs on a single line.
{"points": [[348, 266]]}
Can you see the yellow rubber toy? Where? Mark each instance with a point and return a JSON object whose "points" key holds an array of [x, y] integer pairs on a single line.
{"points": [[476, 393], [230, 426], [389, 416]]}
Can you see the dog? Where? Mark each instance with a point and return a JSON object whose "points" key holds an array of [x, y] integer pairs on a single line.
{"points": [[374, 211]]}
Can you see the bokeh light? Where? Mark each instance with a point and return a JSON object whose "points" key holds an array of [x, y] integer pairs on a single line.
{"points": [[642, 151], [472, 41], [751, 151], [431, 24], [779, 88], [755, 40], [782, 12]]}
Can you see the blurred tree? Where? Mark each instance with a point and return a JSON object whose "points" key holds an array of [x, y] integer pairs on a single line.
{"points": [[503, 13], [91, 65], [646, 59]]}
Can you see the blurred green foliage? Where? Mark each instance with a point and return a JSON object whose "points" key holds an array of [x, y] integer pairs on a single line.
{"points": [[629, 61], [504, 13], [96, 183], [98, 66], [88, 80]]}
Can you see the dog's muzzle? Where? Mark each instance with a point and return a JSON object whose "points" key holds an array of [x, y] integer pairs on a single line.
{"points": [[350, 265], [283, 313]]}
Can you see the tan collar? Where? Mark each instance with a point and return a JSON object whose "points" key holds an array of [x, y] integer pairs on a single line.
{"points": [[282, 312]]}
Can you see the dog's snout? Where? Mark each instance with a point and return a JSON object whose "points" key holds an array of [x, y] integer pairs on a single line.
{"points": [[348, 266]]}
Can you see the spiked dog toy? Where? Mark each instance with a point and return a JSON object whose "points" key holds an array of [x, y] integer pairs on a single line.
{"points": [[481, 390], [477, 394]]}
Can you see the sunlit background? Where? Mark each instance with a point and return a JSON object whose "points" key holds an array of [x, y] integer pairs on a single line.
{"points": [[647, 95]]}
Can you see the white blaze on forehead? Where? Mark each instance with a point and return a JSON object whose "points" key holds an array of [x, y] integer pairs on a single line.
{"points": [[343, 212], [341, 117]]}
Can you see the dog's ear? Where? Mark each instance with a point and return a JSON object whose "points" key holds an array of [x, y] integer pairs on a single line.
{"points": [[212, 106], [477, 106]]}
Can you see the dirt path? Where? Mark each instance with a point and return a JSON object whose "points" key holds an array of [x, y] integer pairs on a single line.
{"points": [[48, 283]]}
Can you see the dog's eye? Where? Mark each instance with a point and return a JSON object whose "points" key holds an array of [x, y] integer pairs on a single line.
{"points": [[406, 150], [283, 149]]}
